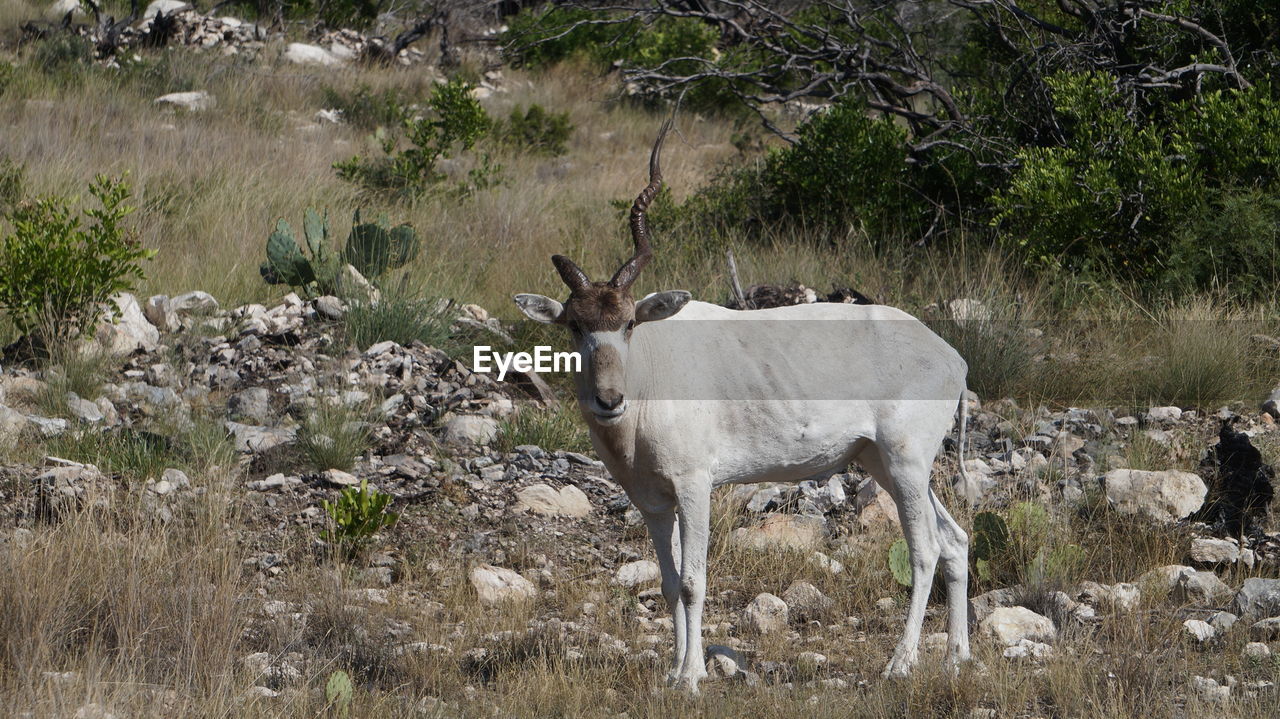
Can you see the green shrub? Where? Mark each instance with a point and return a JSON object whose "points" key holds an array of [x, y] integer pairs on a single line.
{"points": [[541, 38], [62, 57], [58, 273], [456, 122], [536, 131], [1114, 198], [357, 515]]}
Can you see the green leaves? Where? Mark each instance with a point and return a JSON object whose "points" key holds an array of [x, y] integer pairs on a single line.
{"points": [[338, 692], [285, 261], [58, 271], [357, 515], [373, 248]]}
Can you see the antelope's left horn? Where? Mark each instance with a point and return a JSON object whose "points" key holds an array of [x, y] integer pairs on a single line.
{"points": [[627, 274]]}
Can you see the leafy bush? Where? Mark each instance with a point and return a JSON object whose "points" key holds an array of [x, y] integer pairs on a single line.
{"points": [[57, 272], [372, 249], [357, 515], [456, 122], [536, 131], [542, 38]]}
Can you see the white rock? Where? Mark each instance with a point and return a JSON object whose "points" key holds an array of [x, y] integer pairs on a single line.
{"points": [[1198, 630], [300, 53], [806, 601], [639, 573], [782, 531], [1209, 690], [1027, 649], [765, 614], [255, 438], [196, 301], [1009, 625], [12, 422], [123, 332], [83, 409], [1256, 651], [168, 7], [470, 429], [60, 8], [1203, 589], [495, 585], [723, 662], [1163, 496], [159, 312], [340, 478], [194, 101], [1164, 414], [875, 506], [568, 501], [333, 117], [1214, 551]]}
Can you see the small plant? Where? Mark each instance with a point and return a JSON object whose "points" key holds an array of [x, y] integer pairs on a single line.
{"points": [[338, 691], [357, 515], [12, 176], [372, 249], [365, 107], [1020, 548], [58, 272], [900, 562], [457, 121], [536, 131]]}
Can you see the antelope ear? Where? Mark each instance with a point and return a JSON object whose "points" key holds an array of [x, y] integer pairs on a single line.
{"points": [[540, 309], [661, 305]]}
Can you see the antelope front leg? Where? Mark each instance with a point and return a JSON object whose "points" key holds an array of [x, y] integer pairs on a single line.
{"points": [[667, 545], [695, 535]]}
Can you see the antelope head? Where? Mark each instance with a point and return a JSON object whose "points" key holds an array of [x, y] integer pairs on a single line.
{"points": [[602, 315]]}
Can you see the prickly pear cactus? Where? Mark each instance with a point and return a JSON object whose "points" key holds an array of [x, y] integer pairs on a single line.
{"points": [[990, 540], [285, 262], [900, 562], [316, 228], [373, 248], [338, 691]]}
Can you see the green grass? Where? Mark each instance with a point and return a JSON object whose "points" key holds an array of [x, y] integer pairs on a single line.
{"points": [[558, 427], [333, 436]]}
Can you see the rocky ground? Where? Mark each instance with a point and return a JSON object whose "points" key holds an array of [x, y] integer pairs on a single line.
{"points": [[542, 537]]}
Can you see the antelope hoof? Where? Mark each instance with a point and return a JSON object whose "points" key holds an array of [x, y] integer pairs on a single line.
{"points": [[900, 666]]}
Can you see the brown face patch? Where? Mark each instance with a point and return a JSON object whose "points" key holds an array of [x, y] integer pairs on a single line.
{"points": [[599, 308]]}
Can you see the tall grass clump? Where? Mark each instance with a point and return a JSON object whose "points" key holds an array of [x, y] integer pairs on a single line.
{"points": [[399, 317], [557, 427], [333, 436]]}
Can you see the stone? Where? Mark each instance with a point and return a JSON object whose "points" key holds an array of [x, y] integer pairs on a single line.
{"points": [[875, 506], [93, 711], [470, 429], [1164, 579], [12, 423], [765, 614], [330, 307], [1200, 631], [48, 426], [1010, 625], [159, 312], [339, 478], [568, 501], [168, 7], [807, 602], [255, 438], [253, 404], [59, 9], [176, 478], [193, 101], [84, 410], [981, 606], [496, 585], [1259, 597], [637, 574], [763, 498], [300, 53], [1164, 414], [275, 481], [1207, 550], [723, 662], [1265, 630], [1202, 589], [1163, 496], [811, 661], [1209, 690], [1256, 651], [1272, 404], [782, 531], [195, 302], [124, 329], [1027, 649], [1223, 621]]}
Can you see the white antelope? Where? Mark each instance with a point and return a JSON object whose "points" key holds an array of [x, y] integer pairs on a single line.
{"points": [[711, 396]]}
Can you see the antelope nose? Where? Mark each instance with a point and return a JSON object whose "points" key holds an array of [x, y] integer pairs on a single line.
{"points": [[609, 400]]}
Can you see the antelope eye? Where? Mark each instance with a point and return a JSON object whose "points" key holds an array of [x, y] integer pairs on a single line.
{"points": [[631, 325]]}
